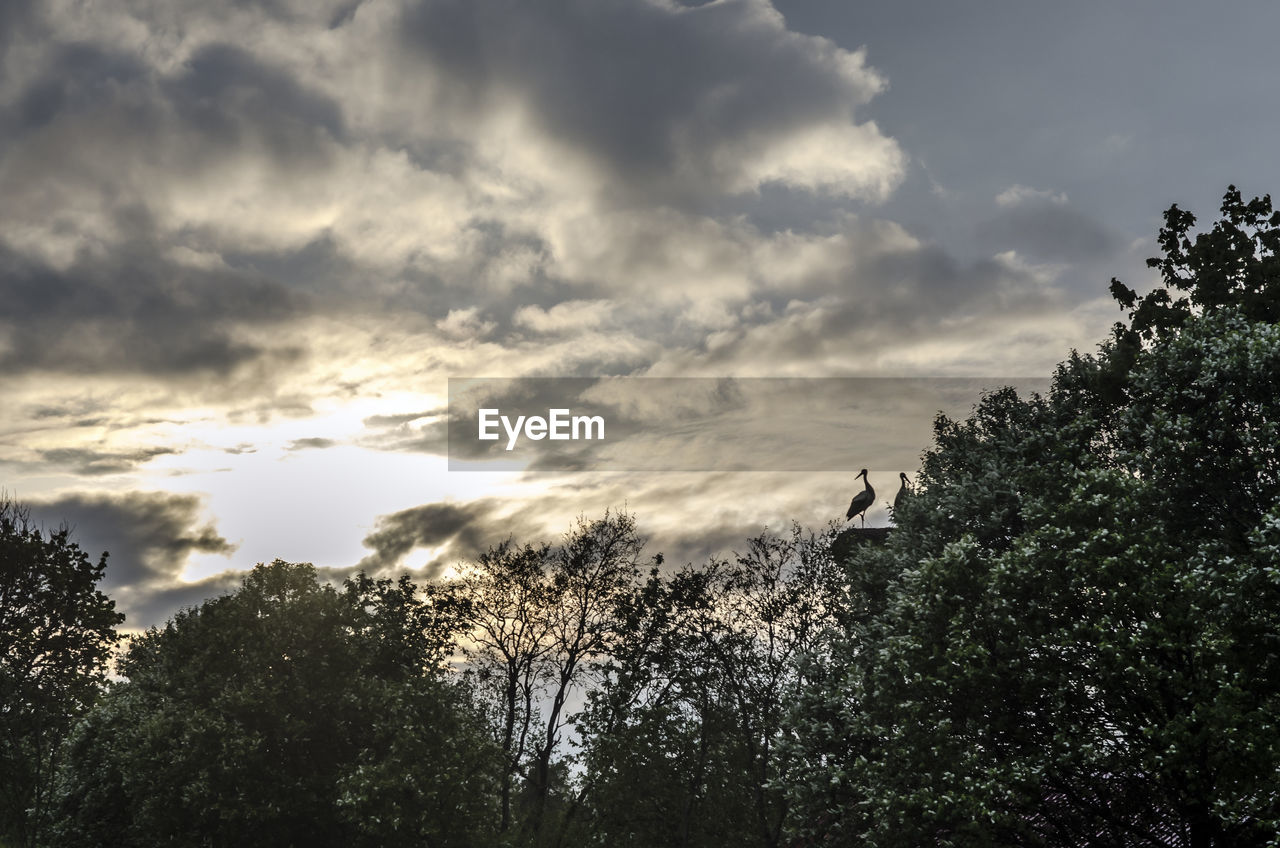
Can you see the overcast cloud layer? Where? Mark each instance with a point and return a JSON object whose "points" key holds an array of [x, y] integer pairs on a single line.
{"points": [[243, 246]]}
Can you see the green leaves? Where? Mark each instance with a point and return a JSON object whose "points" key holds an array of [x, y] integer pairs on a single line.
{"points": [[1071, 636], [57, 632], [286, 713], [1236, 264]]}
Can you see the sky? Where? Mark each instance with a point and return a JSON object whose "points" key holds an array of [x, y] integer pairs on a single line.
{"points": [[245, 245]]}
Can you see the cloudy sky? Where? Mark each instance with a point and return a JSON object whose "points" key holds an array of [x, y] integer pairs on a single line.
{"points": [[244, 245]]}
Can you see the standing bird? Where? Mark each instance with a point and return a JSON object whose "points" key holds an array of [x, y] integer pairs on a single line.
{"points": [[862, 500], [903, 493]]}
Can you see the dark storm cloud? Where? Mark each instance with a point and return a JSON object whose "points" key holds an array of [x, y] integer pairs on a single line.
{"points": [[76, 78], [223, 90], [655, 93], [310, 444], [465, 530], [73, 78], [15, 17], [148, 535], [220, 98], [921, 286], [396, 433], [317, 267], [92, 463], [151, 606], [123, 304], [885, 302], [133, 311], [344, 14]]}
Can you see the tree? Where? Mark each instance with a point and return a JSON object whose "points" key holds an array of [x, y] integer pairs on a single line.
{"points": [[1235, 265], [592, 573], [57, 633], [540, 617], [506, 596], [681, 737], [1070, 638], [287, 713], [653, 741]]}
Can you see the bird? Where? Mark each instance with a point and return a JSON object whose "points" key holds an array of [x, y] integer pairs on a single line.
{"points": [[862, 500], [903, 493]]}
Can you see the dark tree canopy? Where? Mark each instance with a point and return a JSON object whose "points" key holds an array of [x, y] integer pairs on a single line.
{"points": [[1235, 265], [287, 713], [57, 632], [682, 734], [1072, 636]]}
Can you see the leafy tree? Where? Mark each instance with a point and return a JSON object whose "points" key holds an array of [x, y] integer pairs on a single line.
{"points": [[1235, 265], [57, 632], [654, 741], [1071, 638], [287, 713]]}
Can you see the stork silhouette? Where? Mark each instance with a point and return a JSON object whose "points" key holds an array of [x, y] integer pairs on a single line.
{"points": [[903, 493], [862, 500]]}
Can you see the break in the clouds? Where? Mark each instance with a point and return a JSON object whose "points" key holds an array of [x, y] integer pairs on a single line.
{"points": [[244, 246]]}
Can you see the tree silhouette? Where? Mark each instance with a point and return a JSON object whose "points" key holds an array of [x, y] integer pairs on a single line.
{"points": [[540, 617], [505, 596], [1070, 637], [287, 713], [57, 632], [681, 737]]}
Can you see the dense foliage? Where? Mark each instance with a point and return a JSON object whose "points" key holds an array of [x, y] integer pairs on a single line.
{"points": [[287, 713], [57, 632], [1073, 636]]}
